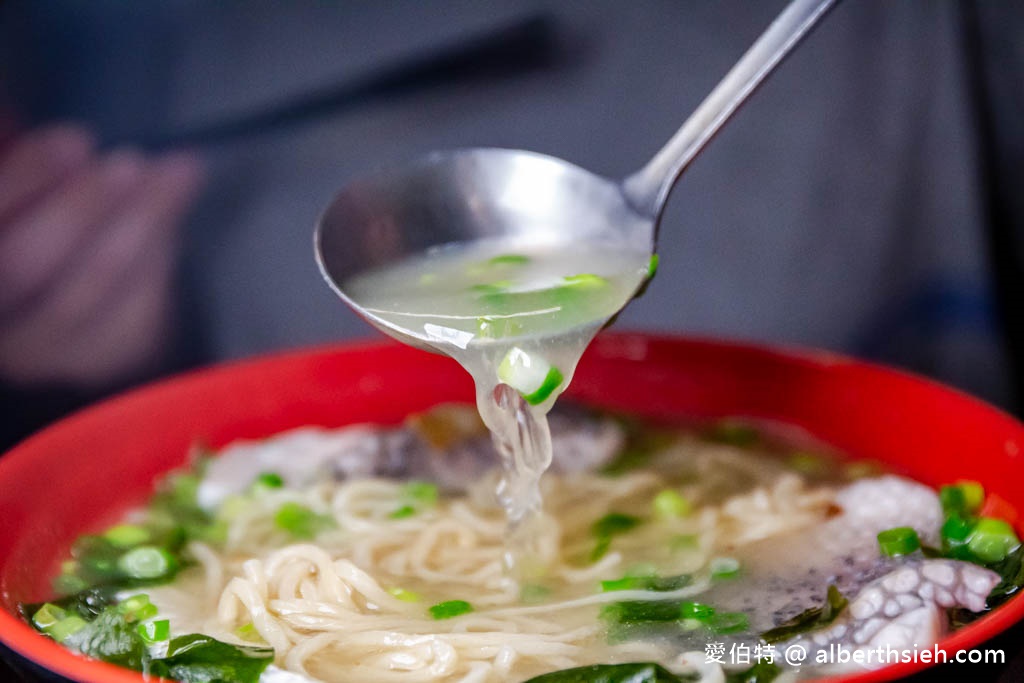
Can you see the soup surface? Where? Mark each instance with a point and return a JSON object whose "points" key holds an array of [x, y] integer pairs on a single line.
{"points": [[661, 554]]}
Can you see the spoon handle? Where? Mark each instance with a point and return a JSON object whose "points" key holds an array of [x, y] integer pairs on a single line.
{"points": [[647, 189]]}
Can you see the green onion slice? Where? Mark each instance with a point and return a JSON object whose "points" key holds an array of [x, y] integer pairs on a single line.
{"points": [[451, 608], [155, 631], [992, 540], [529, 374], [147, 562], [901, 540]]}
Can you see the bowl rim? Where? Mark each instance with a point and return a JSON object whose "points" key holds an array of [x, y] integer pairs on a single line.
{"points": [[24, 641]]}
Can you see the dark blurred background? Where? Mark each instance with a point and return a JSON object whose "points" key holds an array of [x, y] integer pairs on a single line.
{"points": [[867, 200]]}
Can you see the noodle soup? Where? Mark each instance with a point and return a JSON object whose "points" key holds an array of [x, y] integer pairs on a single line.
{"points": [[371, 553]]}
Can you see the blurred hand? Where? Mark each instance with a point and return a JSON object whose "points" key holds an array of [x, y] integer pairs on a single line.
{"points": [[88, 244]]}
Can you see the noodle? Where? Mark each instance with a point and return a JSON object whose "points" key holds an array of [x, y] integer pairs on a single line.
{"points": [[331, 611]]}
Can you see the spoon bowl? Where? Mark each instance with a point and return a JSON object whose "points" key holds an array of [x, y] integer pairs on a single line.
{"points": [[465, 196]]}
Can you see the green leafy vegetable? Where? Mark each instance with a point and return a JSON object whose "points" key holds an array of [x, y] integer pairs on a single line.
{"points": [[197, 658], [613, 673], [809, 620], [1011, 572], [761, 672], [111, 638]]}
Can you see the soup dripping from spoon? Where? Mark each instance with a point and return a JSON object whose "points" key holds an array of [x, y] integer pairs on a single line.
{"points": [[511, 261]]}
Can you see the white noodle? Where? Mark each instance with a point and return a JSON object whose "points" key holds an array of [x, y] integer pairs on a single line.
{"points": [[328, 611]]}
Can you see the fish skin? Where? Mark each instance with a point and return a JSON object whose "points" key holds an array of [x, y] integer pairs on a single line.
{"points": [[580, 440]]}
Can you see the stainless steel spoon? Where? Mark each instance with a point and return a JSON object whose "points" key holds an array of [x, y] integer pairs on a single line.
{"points": [[472, 194]]}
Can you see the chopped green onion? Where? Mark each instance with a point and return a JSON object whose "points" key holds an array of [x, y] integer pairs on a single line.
{"points": [[624, 584], [404, 595], [552, 381], [48, 615], [137, 608], [126, 535], [992, 540], [509, 260], [696, 610], [69, 584], [901, 540], [403, 512], [956, 530], [651, 582], [248, 632], [953, 500], [652, 266], [724, 567], [300, 521], [147, 562], [451, 608], [586, 280], [529, 374], [670, 504], [973, 494], [421, 492], [640, 611], [268, 480], [66, 627], [155, 631]]}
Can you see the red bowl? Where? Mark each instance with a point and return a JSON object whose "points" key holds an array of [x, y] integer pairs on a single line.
{"points": [[84, 471]]}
